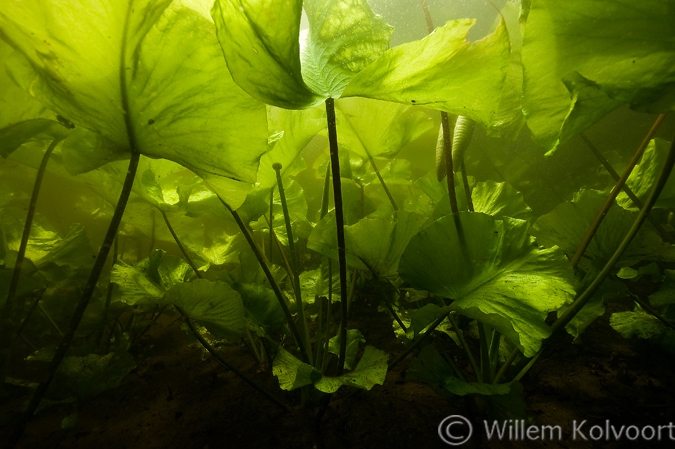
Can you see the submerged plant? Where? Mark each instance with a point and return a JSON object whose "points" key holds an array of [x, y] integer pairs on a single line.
{"points": [[227, 234]]}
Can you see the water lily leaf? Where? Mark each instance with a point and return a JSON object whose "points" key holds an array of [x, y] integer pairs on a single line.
{"points": [[666, 295], [378, 128], [315, 283], [297, 128], [89, 375], [291, 372], [260, 42], [22, 117], [638, 324], [142, 75], [566, 225], [583, 59], [214, 305], [442, 71], [498, 199], [509, 118], [373, 244], [644, 176], [498, 275], [150, 278], [354, 337], [370, 371], [344, 37], [262, 304]]}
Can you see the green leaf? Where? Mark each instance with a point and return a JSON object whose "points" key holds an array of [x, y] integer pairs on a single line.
{"points": [[583, 59], [143, 75], [498, 199], [315, 283], [262, 304], [666, 295], [259, 39], [370, 371], [27, 286], [214, 305], [22, 117], [566, 225], [378, 128], [644, 176], [150, 278], [638, 324], [509, 118], [344, 37], [442, 71], [373, 244], [291, 372], [89, 375], [297, 128], [498, 276], [426, 315], [354, 337]]}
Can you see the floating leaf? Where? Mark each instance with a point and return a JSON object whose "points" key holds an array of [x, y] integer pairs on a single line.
{"points": [[442, 71], [583, 59], [144, 76]]}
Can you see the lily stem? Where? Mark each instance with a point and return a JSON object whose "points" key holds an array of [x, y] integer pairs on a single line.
{"points": [[87, 292], [340, 223]]}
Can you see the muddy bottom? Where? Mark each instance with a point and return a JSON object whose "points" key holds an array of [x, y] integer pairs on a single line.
{"points": [[179, 397]]}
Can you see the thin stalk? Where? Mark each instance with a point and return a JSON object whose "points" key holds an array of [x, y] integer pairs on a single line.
{"points": [[506, 365], [340, 223], [351, 291], [220, 360], [427, 16], [50, 319], [576, 306], [109, 290], [10, 315], [484, 353], [329, 305], [289, 270], [270, 278], [254, 349], [395, 315], [379, 177], [636, 201], [581, 301], [417, 342], [467, 188], [180, 245], [449, 360], [320, 331], [462, 342], [270, 223], [615, 191], [646, 306], [84, 300], [447, 149], [155, 316], [325, 197], [295, 264], [23, 324], [494, 353], [152, 233]]}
